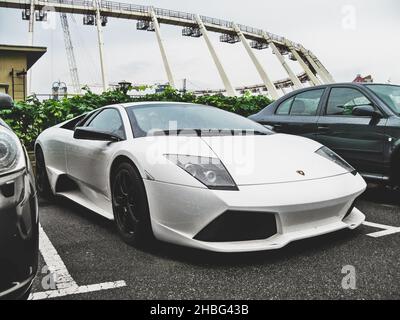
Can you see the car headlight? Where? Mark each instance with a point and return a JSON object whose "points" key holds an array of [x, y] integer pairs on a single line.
{"points": [[209, 171], [11, 153], [333, 156]]}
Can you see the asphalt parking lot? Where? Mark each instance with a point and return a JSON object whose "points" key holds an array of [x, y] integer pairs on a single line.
{"points": [[87, 260]]}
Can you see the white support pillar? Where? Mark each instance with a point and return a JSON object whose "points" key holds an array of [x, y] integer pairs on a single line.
{"points": [[264, 76], [296, 82], [305, 67], [101, 45], [31, 41], [319, 71], [228, 85], [162, 48], [322, 67]]}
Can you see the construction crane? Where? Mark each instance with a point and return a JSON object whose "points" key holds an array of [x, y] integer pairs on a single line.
{"points": [[73, 70]]}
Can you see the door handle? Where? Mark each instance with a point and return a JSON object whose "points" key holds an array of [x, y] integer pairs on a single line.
{"points": [[323, 128]]}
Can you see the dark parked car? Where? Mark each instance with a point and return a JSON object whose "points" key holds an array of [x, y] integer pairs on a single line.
{"points": [[19, 221], [361, 122]]}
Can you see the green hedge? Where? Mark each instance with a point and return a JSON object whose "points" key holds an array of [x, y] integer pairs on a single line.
{"points": [[30, 118]]}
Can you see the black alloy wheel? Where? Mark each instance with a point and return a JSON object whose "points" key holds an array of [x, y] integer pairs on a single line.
{"points": [[130, 206]]}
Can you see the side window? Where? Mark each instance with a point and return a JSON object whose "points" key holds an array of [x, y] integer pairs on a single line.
{"points": [[306, 103], [70, 125], [108, 120], [284, 107], [303, 104], [342, 101], [86, 120]]}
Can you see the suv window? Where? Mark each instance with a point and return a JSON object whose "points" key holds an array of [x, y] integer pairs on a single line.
{"points": [[108, 120], [342, 101], [303, 104]]}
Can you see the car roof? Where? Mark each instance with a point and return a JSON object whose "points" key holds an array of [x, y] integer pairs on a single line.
{"points": [[138, 104], [355, 84], [323, 86]]}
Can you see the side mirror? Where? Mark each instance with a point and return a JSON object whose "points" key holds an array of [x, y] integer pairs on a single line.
{"points": [[6, 102], [365, 111], [87, 133]]}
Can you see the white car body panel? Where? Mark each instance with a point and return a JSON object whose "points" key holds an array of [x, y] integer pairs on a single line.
{"points": [[277, 167], [314, 207], [181, 206]]}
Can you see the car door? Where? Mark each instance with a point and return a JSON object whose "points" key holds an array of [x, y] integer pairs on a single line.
{"points": [[54, 148], [87, 160], [298, 114], [358, 139]]}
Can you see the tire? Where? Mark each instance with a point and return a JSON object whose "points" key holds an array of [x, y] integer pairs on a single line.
{"points": [[395, 170], [41, 177], [130, 206]]}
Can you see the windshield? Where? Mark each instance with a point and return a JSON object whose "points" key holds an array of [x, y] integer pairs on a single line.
{"points": [[389, 94], [204, 120]]}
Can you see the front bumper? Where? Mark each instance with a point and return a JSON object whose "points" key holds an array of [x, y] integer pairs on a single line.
{"points": [[302, 209], [19, 234]]}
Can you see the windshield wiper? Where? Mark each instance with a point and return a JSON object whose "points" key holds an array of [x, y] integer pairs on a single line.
{"points": [[207, 132]]}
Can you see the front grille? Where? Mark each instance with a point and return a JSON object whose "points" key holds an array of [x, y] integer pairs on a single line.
{"points": [[234, 226]]}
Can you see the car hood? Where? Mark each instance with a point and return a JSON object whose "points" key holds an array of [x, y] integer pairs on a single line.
{"points": [[250, 160], [274, 158]]}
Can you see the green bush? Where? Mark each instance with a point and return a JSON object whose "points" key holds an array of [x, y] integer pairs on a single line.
{"points": [[31, 117]]}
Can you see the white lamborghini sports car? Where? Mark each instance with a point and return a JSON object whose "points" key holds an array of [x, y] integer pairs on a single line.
{"points": [[197, 176]]}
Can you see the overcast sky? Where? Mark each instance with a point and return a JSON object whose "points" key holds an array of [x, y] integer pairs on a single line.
{"points": [[348, 36]]}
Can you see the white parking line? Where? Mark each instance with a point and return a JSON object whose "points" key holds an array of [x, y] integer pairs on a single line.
{"points": [[76, 290], [54, 262], [387, 230], [65, 284]]}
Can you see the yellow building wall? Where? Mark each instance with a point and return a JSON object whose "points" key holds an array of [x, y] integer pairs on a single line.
{"points": [[18, 62]]}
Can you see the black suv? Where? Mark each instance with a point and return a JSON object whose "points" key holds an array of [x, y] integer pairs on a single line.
{"points": [[359, 121], [19, 220]]}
